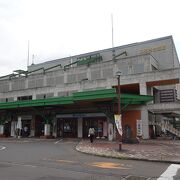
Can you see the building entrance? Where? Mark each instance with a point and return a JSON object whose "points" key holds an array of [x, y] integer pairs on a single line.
{"points": [[39, 126], [99, 124], [26, 128], [67, 128]]}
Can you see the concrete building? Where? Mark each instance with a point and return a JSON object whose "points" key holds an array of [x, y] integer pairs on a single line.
{"points": [[64, 97]]}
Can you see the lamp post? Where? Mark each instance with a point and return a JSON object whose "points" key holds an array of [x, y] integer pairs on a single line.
{"points": [[118, 74]]}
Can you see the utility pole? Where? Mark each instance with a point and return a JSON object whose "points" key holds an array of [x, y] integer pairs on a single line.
{"points": [[118, 74]]}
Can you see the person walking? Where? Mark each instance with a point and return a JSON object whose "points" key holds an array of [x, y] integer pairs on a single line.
{"points": [[91, 134]]}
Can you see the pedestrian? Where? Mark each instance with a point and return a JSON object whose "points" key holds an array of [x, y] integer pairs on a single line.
{"points": [[91, 134]]}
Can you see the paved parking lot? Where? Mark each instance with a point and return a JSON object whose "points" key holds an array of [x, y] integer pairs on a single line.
{"points": [[33, 159]]}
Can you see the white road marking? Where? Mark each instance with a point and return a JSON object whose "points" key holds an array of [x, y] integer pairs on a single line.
{"points": [[2, 148], [18, 164], [58, 141], [170, 172], [24, 165]]}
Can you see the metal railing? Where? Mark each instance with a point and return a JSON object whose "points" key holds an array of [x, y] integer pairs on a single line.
{"points": [[165, 125]]}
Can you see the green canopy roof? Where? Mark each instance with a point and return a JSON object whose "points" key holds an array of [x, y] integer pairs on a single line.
{"points": [[95, 95]]}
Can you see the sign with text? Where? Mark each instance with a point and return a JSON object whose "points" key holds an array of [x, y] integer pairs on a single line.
{"points": [[118, 123], [139, 127]]}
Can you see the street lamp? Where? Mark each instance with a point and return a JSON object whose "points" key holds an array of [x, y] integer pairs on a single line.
{"points": [[118, 74]]}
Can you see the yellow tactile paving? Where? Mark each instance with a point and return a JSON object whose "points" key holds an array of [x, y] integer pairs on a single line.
{"points": [[105, 165], [108, 165]]}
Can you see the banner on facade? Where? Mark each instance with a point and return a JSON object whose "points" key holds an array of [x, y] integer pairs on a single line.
{"points": [[118, 123], [139, 127]]}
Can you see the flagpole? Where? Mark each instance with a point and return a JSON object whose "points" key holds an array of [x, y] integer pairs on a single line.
{"points": [[28, 54], [112, 35]]}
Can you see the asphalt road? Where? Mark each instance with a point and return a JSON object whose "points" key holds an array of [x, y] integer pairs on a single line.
{"points": [[58, 160]]}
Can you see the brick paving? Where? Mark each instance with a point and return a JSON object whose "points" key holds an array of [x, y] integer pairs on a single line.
{"points": [[152, 150]]}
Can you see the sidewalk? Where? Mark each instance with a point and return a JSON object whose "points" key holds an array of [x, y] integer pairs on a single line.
{"points": [[150, 150]]}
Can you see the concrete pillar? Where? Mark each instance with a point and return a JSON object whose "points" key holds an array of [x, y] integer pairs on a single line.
{"points": [[45, 81], [149, 90], [47, 131], [33, 96], [144, 113], [89, 73], [32, 133], [143, 88], [80, 127], [110, 132], [1, 130], [10, 85], [145, 124], [56, 94], [19, 126], [54, 127], [65, 77], [26, 83], [13, 128]]}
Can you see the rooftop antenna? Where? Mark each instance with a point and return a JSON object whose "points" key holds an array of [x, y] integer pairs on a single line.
{"points": [[28, 54], [113, 50]]}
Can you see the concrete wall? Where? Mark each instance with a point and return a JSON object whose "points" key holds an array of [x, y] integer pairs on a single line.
{"points": [[141, 58], [84, 84], [162, 49], [48, 82]]}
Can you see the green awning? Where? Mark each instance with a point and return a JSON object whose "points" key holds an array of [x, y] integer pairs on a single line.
{"points": [[95, 95], [37, 102], [135, 99]]}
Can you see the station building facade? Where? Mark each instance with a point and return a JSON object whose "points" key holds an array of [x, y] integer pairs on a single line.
{"points": [[64, 97]]}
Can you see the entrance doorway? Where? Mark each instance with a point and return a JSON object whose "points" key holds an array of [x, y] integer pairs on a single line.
{"points": [[26, 127], [67, 128], [99, 124], [39, 126], [7, 129]]}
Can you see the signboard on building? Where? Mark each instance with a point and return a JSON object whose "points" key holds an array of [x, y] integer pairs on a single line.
{"points": [[118, 123], [153, 49], [139, 127]]}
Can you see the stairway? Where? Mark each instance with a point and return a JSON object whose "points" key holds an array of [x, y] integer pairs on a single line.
{"points": [[167, 126], [178, 125]]}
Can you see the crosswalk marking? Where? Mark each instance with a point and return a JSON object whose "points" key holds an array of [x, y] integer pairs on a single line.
{"points": [[170, 172], [2, 148], [58, 141]]}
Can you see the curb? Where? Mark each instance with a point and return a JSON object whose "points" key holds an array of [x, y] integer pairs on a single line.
{"points": [[126, 158]]}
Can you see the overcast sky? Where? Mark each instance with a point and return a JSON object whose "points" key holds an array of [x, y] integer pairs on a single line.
{"points": [[61, 28]]}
